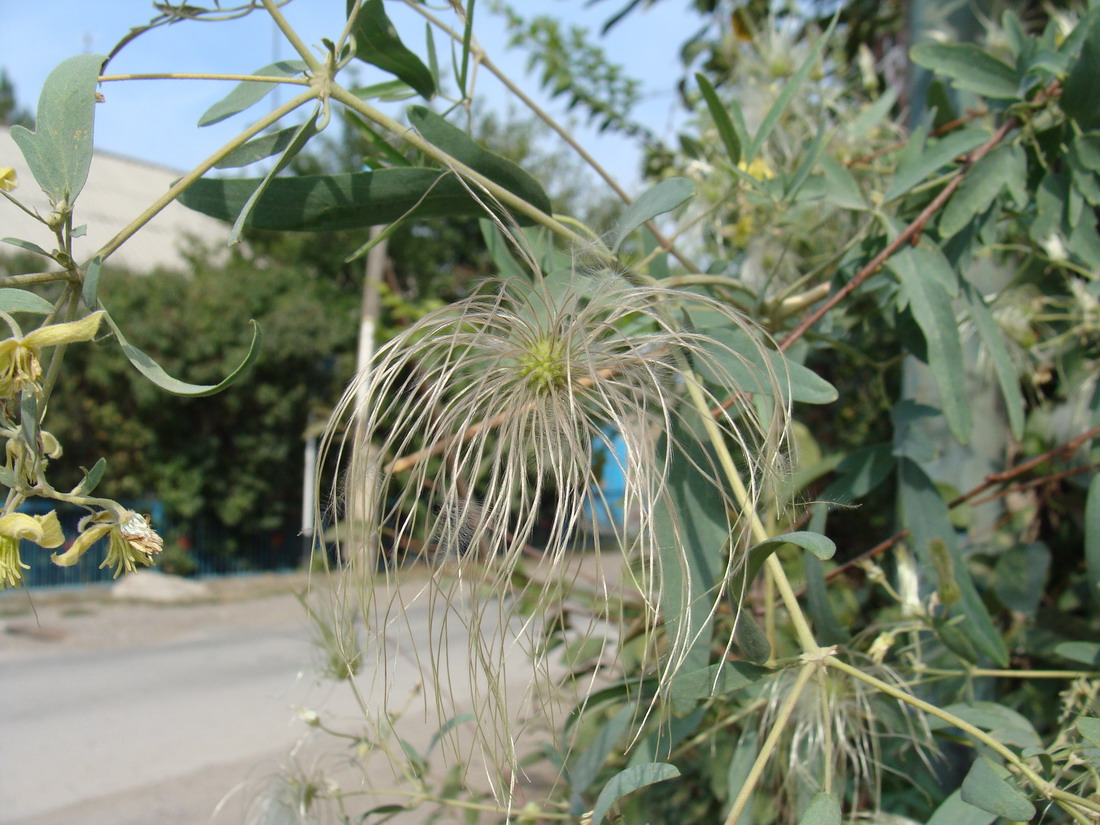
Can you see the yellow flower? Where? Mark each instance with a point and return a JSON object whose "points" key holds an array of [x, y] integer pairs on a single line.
{"points": [[131, 541], [20, 369], [44, 531], [8, 181], [759, 169]]}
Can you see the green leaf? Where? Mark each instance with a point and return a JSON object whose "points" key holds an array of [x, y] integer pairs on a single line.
{"points": [[258, 148], [736, 355], [790, 88], [91, 479], [861, 471], [721, 679], [1087, 653], [1019, 579], [462, 147], [987, 788], [954, 811], [994, 341], [693, 536], [321, 203], [448, 726], [628, 781], [922, 273], [980, 187], [301, 137], [823, 810], [1092, 539], [19, 300], [155, 373], [916, 164], [927, 519], [840, 187], [873, 114], [584, 765], [817, 544], [59, 150], [1089, 727], [1087, 150], [727, 131], [664, 197], [828, 627], [1080, 93], [377, 43], [970, 68], [738, 773], [249, 92], [751, 640], [27, 245], [1009, 726], [89, 293]]}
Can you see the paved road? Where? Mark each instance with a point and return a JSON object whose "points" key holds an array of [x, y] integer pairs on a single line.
{"points": [[81, 726], [159, 730]]}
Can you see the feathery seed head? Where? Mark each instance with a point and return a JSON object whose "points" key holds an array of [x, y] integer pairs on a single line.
{"points": [[470, 440]]}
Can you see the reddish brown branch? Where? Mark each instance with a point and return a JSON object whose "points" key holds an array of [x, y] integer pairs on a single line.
{"points": [[910, 233], [1063, 450]]}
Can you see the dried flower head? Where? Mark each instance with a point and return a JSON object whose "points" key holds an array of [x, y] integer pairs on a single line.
{"points": [[131, 541], [469, 443], [842, 735]]}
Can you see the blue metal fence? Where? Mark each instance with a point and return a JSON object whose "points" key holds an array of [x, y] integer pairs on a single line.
{"points": [[214, 551]]}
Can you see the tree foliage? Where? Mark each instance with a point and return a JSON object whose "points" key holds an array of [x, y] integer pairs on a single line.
{"points": [[868, 597]]}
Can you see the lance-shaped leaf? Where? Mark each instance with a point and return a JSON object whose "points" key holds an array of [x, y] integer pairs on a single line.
{"points": [[248, 92], [1092, 539], [155, 372], [923, 273], [987, 787], [301, 137], [19, 300], [823, 810], [970, 68], [693, 534], [927, 518], [721, 679], [258, 148], [994, 341], [377, 43], [1081, 95], [731, 136], [918, 160], [59, 150], [628, 781], [320, 203], [787, 94], [664, 197], [459, 145], [29, 246]]}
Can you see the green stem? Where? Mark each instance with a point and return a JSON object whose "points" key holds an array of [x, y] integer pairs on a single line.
{"points": [[292, 36], [200, 170], [980, 672], [665, 243], [1037, 781], [38, 278], [435, 153], [459, 803], [251, 78], [779, 726], [72, 296]]}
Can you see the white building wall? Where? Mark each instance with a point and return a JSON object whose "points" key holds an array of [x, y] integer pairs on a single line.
{"points": [[117, 191]]}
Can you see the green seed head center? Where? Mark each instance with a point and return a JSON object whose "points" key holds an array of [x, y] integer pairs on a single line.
{"points": [[544, 365]]}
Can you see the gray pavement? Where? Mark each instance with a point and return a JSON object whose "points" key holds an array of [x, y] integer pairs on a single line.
{"points": [[127, 714]]}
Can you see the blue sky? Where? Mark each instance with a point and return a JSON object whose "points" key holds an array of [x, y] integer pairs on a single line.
{"points": [[155, 120]]}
